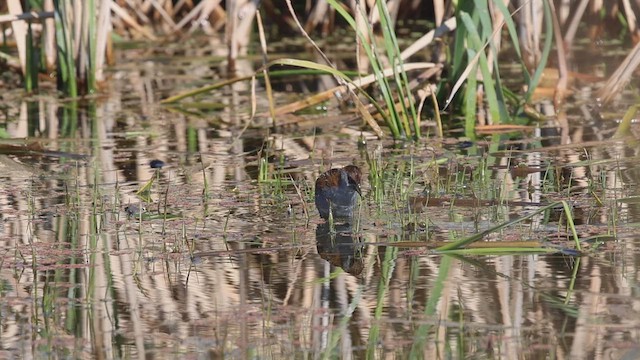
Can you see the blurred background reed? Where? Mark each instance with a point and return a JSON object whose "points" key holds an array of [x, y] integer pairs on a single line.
{"points": [[72, 42]]}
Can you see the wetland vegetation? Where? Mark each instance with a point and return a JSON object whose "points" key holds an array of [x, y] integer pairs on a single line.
{"points": [[158, 162]]}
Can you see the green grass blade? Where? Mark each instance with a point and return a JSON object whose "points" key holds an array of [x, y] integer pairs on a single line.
{"points": [[311, 65], [569, 214]]}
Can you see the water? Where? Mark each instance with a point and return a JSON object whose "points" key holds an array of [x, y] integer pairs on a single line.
{"points": [[219, 264]]}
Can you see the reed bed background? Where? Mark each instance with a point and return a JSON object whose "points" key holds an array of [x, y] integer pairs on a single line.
{"points": [[204, 257], [73, 42]]}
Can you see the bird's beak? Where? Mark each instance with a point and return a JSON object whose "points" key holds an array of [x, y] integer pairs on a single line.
{"points": [[358, 189]]}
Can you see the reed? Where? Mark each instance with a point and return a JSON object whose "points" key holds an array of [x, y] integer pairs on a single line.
{"points": [[66, 70], [79, 45], [457, 247], [399, 113], [83, 28]]}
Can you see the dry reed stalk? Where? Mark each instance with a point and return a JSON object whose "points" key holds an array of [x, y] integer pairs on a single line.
{"points": [[563, 8], [77, 9], [218, 15], [240, 15], [102, 37], [169, 9], [319, 14], [192, 14], [246, 15], [230, 35], [596, 6], [361, 82], [429, 91], [497, 22], [561, 86], [575, 21], [448, 26], [438, 11], [165, 16], [177, 7], [127, 19], [620, 78], [19, 33], [393, 6], [139, 12], [50, 38], [530, 28], [145, 7], [630, 15], [361, 23], [203, 10], [265, 71]]}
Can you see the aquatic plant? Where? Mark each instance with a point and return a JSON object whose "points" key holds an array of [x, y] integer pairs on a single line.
{"points": [[74, 40]]}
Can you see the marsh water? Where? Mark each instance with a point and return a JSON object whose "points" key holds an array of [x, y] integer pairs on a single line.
{"points": [[224, 254]]}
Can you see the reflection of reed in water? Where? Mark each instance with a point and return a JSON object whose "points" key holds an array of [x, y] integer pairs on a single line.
{"points": [[340, 248]]}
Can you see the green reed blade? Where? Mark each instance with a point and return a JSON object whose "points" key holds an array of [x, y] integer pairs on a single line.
{"points": [[31, 62], [470, 100], [624, 128], [546, 50], [402, 83], [460, 44], [487, 77], [502, 251], [513, 35], [473, 238], [391, 117], [569, 214], [66, 65]]}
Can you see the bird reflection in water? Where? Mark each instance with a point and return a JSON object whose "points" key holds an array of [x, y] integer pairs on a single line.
{"points": [[340, 247]]}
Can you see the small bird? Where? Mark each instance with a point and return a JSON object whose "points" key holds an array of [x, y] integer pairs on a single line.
{"points": [[337, 192], [135, 211], [156, 164]]}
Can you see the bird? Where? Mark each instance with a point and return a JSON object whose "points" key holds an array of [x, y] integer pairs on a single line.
{"points": [[156, 164], [135, 211], [337, 192]]}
